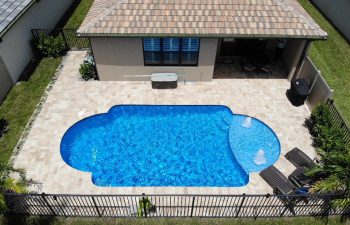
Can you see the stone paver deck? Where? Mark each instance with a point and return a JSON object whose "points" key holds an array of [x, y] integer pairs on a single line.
{"points": [[72, 99]]}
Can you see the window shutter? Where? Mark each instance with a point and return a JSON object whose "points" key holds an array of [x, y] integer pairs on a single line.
{"points": [[151, 44], [171, 51], [171, 44], [190, 44]]}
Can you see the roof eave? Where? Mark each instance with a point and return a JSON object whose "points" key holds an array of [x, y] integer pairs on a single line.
{"points": [[24, 10], [139, 35]]}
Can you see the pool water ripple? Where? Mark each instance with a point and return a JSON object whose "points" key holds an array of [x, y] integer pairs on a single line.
{"points": [[144, 145]]}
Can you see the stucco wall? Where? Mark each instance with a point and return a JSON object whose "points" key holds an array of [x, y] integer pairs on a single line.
{"points": [[291, 54], [338, 11], [5, 80], [15, 48], [122, 58]]}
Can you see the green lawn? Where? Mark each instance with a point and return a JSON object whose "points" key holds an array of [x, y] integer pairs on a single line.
{"points": [[21, 102], [332, 57], [79, 14], [78, 221], [23, 98]]}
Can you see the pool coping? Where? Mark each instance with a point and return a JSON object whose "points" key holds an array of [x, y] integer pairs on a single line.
{"points": [[166, 105]]}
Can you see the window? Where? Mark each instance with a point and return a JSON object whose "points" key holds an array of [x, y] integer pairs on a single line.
{"points": [[171, 51], [190, 48], [151, 48]]}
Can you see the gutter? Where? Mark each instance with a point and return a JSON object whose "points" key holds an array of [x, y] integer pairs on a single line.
{"points": [[309, 37], [23, 11]]}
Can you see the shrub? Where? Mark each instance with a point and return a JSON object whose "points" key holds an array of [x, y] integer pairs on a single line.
{"points": [[320, 117], [327, 136], [3, 127], [145, 204], [88, 71], [335, 157], [49, 46], [330, 139]]}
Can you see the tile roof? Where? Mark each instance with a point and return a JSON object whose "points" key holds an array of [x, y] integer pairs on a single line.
{"points": [[10, 10], [212, 18]]}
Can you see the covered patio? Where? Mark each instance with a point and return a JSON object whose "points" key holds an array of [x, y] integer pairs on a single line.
{"points": [[258, 58]]}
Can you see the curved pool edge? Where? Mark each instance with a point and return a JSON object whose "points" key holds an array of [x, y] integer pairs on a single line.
{"points": [[115, 106], [68, 131], [272, 131], [110, 110], [62, 147]]}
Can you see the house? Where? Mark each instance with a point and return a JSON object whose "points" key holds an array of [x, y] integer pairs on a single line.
{"points": [[336, 12], [17, 18], [193, 38]]}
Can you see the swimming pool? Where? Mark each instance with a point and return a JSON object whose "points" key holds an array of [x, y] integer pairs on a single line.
{"points": [[155, 145]]}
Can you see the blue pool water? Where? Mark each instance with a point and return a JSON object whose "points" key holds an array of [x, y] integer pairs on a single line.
{"points": [[139, 145]]}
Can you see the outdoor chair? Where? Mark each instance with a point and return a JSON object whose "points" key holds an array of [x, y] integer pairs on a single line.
{"points": [[300, 159], [267, 69], [282, 186], [247, 66], [277, 181], [299, 178], [258, 64], [303, 162]]}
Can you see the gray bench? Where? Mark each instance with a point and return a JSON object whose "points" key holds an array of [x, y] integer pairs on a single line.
{"points": [[164, 80]]}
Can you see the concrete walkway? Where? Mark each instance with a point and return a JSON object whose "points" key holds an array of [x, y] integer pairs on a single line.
{"points": [[72, 99]]}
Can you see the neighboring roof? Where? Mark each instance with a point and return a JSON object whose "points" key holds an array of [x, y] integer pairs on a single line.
{"points": [[203, 18], [10, 11]]}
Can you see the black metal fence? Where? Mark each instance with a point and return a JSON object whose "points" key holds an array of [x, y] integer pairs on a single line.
{"points": [[69, 36], [213, 206], [338, 120]]}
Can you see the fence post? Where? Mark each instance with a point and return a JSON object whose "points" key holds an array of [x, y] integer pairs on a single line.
{"points": [[192, 205], [47, 203], [34, 33], [289, 205], [98, 211], [240, 206], [64, 39], [59, 205], [7, 197], [328, 209], [144, 204]]}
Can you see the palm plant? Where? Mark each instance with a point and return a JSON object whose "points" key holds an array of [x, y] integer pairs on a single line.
{"points": [[336, 177], [8, 184]]}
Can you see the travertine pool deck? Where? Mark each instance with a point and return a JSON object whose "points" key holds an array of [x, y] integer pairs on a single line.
{"points": [[72, 99]]}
